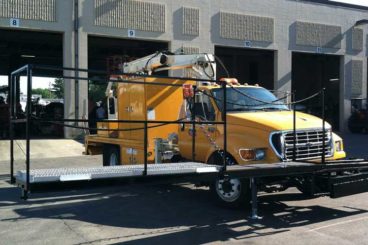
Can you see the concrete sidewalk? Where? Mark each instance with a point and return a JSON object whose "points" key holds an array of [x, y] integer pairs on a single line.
{"points": [[51, 148], [55, 153]]}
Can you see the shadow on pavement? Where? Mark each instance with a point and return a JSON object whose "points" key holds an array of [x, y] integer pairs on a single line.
{"points": [[171, 213]]}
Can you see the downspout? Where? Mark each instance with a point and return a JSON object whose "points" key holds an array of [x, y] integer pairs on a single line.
{"points": [[76, 58]]}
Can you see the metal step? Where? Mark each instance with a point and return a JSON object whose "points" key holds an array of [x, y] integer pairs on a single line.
{"points": [[77, 174]]}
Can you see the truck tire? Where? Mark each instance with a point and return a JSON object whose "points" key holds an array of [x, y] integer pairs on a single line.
{"points": [[230, 193], [111, 155]]}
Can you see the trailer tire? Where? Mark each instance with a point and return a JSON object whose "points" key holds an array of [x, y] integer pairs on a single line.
{"points": [[227, 192], [111, 155]]}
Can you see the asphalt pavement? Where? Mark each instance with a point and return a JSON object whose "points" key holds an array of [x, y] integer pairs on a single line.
{"points": [[152, 213]]}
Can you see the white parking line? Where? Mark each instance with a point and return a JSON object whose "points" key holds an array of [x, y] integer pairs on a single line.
{"points": [[339, 223]]}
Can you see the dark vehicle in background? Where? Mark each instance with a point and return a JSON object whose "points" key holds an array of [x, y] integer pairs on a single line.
{"points": [[52, 111], [40, 113], [4, 118], [19, 128], [358, 121]]}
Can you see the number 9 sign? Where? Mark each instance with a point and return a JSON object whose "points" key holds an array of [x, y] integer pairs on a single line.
{"points": [[131, 33]]}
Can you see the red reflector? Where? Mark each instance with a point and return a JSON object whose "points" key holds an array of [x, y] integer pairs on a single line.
{"points": [[188, 91]]}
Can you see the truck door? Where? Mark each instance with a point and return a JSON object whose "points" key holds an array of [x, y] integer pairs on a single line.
{"points": [[206, 134]]}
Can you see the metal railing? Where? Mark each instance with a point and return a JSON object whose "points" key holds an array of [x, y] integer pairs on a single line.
{"points": [[28, 70]]}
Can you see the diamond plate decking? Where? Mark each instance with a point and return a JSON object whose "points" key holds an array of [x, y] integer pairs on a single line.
{"points": [[75, 174]]}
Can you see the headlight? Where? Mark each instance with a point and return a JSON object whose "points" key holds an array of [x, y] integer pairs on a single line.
{"points": [[252, 154], [338, 145]]}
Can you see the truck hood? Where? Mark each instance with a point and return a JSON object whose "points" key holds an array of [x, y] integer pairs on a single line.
{"points": [[274, 120]]}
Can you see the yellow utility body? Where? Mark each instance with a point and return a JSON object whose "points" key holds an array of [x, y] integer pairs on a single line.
{"points": [[254, 134], [139, 102]]}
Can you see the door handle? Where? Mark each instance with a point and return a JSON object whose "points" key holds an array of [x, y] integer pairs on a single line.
{"points": [[129, 108]]}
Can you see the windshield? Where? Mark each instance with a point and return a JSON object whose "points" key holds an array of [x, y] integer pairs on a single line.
{"points": [[248, 99]]}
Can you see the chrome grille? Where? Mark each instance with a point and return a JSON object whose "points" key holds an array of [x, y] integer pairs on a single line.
{"points": [[309, 144]]}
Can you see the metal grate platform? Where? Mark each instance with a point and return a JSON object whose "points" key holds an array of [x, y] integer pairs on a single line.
{"points": [[77, 174]]}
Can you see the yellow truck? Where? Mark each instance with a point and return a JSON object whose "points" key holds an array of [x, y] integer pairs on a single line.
{"points": [[260, 127]]}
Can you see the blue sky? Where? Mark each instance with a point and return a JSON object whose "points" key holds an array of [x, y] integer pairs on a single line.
{"points": [[357, 2]]}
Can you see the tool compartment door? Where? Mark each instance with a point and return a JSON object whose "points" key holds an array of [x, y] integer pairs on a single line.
{"points": [[124, 110], [137, 110]]}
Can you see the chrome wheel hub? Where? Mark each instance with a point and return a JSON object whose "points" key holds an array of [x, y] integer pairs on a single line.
{"points": [[229, 189]]}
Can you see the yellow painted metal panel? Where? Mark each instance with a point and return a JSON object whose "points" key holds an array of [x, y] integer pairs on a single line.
{"points": [[123, 97], [137, 110]]}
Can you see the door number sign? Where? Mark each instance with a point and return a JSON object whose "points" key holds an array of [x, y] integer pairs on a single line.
{"points": [[14, 22], [131, 33], [248, 44]]}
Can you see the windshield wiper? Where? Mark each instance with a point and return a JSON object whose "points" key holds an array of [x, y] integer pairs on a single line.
{"points": [[248, 109], [272, 109], [257, 109], [238, 109]]}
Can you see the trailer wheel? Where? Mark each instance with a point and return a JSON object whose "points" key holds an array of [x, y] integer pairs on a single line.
{"points": [[229, 192], [111, 155]]}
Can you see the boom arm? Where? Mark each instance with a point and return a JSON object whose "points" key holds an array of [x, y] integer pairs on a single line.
{"points": [[200, 65], [203, 65]]}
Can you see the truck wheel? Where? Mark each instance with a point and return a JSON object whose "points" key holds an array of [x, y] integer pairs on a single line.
{"points": [[230, 192], [111, 155]]}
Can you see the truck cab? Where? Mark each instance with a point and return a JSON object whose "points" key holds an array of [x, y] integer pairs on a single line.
{"points": [[257, 132]]}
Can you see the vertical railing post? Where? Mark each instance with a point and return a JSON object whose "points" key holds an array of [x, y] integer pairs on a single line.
{"points": [[294, 125], [11, 131], [254, 199], [28, 129], [323, 126], [224, 120], [194, 124], [145, 147]]}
